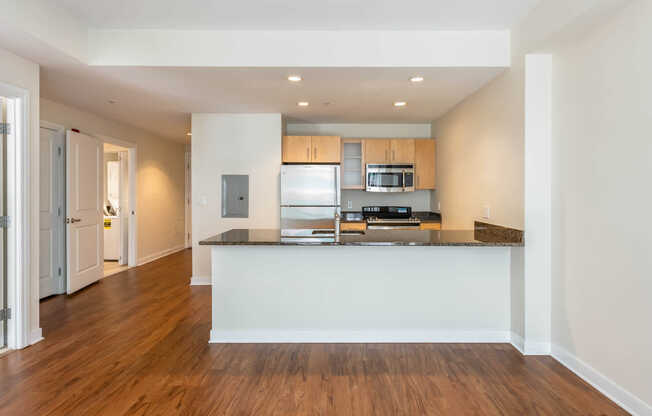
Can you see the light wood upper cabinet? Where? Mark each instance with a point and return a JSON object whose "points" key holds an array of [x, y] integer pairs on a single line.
{"points": [[325, 149], [402, 151], [425, 164], [377, 151], [296, 149], [311, 149]]}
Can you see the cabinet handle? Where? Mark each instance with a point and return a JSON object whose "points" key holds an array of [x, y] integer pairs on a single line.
{"points": [[386, 158], [315, 158], [417, 181], [393, 155], [308, 154]]}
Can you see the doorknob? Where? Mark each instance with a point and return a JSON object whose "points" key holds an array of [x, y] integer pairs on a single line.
{"points": [[72, 220]]}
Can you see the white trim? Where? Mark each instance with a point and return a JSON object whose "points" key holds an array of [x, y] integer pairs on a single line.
{"points": [[366, 336], [187, 199], [22, 260], [160, 254], [517, 342], [603, 384], [36, 336], [132, 224], [200, 281]]}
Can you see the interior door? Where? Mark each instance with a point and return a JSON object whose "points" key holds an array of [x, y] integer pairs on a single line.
{"points": [[84, 226], [51, 238]]}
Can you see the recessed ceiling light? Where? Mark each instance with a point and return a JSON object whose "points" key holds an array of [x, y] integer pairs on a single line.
{"points": [[416, 79], [294, 78], [400, 104], [189, 134], [303, 103]]}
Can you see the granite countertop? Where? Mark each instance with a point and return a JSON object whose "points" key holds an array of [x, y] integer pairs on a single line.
{"points": [[478, 238]]}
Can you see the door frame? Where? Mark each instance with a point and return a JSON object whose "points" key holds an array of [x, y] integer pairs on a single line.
{"points": [[60, 172], [132, 225], [22, 234], [187, 201]]}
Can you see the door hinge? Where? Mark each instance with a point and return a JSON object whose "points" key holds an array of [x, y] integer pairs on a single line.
{"points": [[5, 221], [59, 271], [59, 211], [59, 150], [5, 128], [5, 314]]}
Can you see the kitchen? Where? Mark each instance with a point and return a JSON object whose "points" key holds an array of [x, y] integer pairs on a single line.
{"points": [[380, 271]]}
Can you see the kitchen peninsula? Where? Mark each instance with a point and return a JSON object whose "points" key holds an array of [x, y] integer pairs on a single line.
{"points": [[377, 286]]}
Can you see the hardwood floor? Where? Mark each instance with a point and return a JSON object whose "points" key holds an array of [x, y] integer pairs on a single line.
{"points": [[136, 343]]}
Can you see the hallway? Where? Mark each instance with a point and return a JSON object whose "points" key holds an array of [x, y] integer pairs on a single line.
{"points": [[137, 343]]}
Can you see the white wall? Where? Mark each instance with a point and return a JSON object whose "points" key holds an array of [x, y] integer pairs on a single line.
{"points": [[160, 177], [602, 171], [18, 72], [248, 144], [419, 200], [601, 165]]}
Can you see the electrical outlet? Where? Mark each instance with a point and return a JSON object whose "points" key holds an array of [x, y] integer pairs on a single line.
{"points": [[349, 204], [486, 212]]}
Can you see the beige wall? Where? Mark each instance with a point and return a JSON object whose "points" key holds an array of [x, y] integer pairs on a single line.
{"points": [[240, 144], [19, 72], [601, 199], [160, 177], [480, 155]]}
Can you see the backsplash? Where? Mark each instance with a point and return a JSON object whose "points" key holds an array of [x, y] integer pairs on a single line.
{"points": [[418, 200]]}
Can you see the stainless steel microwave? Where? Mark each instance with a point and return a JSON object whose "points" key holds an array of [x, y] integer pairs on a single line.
{"points": [[390, 178]]}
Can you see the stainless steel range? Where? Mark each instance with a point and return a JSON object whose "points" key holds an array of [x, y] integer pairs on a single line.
{"points": [[390, 218]]}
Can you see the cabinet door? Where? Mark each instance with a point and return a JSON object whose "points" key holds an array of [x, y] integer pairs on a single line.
{"points": [[325, 149], [402, 150], [376, 151], [425, 164], [296, 149]]}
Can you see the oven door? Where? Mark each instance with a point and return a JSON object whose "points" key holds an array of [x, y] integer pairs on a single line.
{"points": [[390, 180]]}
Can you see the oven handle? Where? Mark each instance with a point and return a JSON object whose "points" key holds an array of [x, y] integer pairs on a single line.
{"points": [[403, 180]]}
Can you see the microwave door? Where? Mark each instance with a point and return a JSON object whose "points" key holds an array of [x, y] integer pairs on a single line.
{"points": [[310, 185]]}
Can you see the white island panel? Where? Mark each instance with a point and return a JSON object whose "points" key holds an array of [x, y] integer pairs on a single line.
{"points": [[360, 294]]}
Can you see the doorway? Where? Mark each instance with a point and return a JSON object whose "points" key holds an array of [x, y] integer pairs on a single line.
{"points": [[5, 129], [116, 208]]}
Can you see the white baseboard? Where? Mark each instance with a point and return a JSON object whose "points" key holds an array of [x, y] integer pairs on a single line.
{"points": [[200, 281], [518, 342], [156, 256], [609, 388], [325, 336], [536, 348], [36, 335]]}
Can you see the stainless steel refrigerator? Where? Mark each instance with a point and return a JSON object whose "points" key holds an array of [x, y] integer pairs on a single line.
{"points": [[310, 201]]}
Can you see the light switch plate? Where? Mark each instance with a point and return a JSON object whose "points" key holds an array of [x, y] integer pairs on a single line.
{"points": [[349, 204], [486, 212]]}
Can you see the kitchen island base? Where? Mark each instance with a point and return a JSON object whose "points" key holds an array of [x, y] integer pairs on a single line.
{"points": [[360, 294]]}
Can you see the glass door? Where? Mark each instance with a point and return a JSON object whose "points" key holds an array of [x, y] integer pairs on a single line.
{"points": [[4, 312]]}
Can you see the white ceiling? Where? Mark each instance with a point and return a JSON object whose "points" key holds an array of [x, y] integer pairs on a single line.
{"points": [[303, 14], [161, 99]]}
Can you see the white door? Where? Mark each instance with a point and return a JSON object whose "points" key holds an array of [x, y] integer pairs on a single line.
{"points": [[84, 226], [51, 220], [123, 212]]}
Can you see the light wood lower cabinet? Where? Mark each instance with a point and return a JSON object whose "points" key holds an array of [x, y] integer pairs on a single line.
{"points": [[353, 226], [430, 226], [311, 149]]}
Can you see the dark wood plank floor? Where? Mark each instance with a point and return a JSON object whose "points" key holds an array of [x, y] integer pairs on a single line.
{"points": [[136, 344]]}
